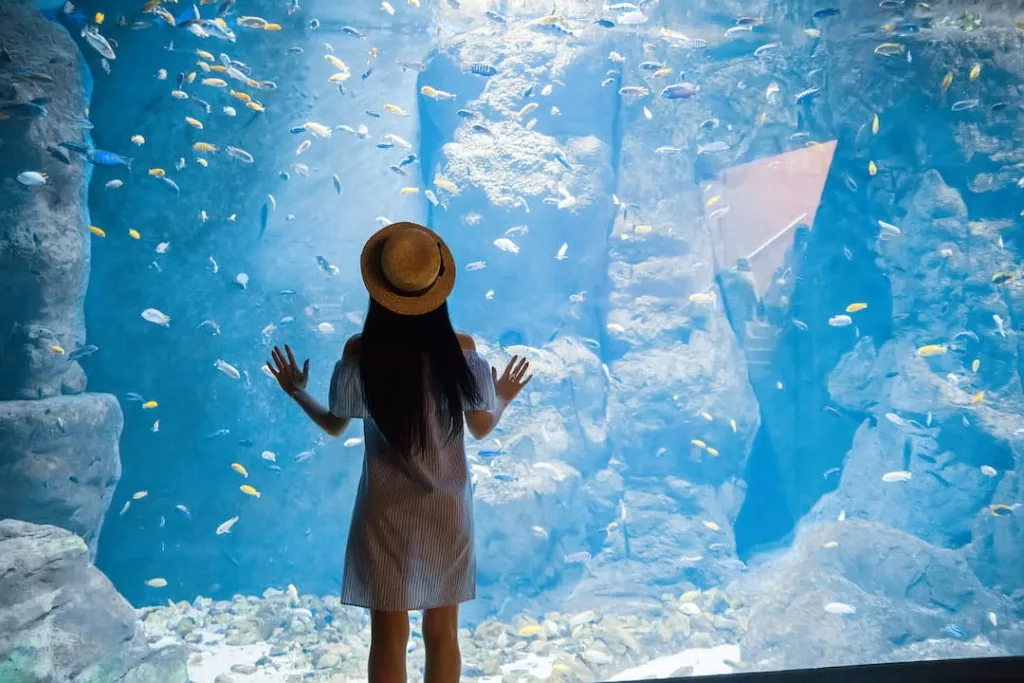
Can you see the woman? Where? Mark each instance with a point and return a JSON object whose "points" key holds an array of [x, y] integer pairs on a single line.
{"points": [[416, 385]]}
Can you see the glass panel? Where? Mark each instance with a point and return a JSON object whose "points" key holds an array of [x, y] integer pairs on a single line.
{"points": [[760, 256]]}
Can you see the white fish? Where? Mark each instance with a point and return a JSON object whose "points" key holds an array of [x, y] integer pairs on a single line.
{"points": [[539, 532], [98, 43], [228, 369], [395, 140], [269, 455], [225, 528], [156, 427], [353, 442], [156, 317], [114, 184], [242, 280], [999, 324], [325, 328], [992, 619], [163, 247], [229, 111], [840, 608], [840, 321], [127, 504], [888, 230], [489, 294], [214, 266], [505, 244], [897, 476], [896, 419], [988, 471], [30, 178]]}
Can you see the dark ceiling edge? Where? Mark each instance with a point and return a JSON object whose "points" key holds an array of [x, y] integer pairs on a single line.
{"points": [[988, 670]]}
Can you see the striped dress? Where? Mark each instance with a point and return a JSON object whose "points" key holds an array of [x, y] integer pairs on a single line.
{"points": [[410, 546]]}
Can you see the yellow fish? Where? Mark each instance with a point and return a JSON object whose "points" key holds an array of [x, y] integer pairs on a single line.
{"points": [[874, 125], [157, 172], [204, 67], [252, 22], [156, 583], [149, 405], [642, 229], [707, 416], [872, 169], [249, 491], [255, 106], [208, 56], [410, 190], [253, 83], [204, 147], [99, 17], [215, 82], [853, 308], [445, 184], [195, 123], [663, 71], [975, 71], [339, 77], [179, 94], [414, 3], [931, 350], [97, 231], [202, 162], [240, 469], [732, 423], [272, 27], [947, 81], [56, 348], [191, 77], [219, 68], [977, 398], [698, 443], [139, 495], [395, 110], [714, 200], [711, 525], [531, 630], [999, 509], [336, 63], [713, 452], [1001, 278], [134, 234], [244, 97], [975, 365]]}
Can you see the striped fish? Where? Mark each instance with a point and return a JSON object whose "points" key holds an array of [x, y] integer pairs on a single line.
{"points": [[481, 69]]}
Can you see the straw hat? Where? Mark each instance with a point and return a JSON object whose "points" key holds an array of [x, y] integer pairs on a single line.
{"points": [[407, 269]]}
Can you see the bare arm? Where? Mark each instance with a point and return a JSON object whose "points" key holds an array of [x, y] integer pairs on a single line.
{"points": [[293, 381], [480, 423]]}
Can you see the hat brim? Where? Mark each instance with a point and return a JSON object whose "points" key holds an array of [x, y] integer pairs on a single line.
{"points": [[395, 300]]}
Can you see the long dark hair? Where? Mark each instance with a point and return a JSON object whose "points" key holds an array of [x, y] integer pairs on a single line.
{"points": [[395, 351]]}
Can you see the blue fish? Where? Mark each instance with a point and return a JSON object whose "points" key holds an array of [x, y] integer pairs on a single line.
{"points": [[219, 432], [353, 31], [264, 217], [467, 114], [481, 69], [506, 477], [385, 145], [33, 109], [955, 631], [188, 17], [324, 264], [366, 74], [528, 92], [83, 351], [398, 170], [827, 12], [808, 95], [101, 157], [678, 91], [298, 130], [606, 22], [489, 454], [370, 112], [481, 128], [495, 17], [59, 155], [411, 159], [170, 183]]}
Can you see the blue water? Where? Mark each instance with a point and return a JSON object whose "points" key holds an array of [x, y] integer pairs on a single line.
{"points": [[706, 437]]}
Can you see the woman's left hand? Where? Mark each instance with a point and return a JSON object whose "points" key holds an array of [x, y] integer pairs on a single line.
{"points": [[287, 373]]}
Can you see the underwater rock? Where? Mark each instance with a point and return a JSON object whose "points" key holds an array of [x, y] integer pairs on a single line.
{"points": [[845, 592], [61, 619], [59, 461], [997, 545], [44, 247]]}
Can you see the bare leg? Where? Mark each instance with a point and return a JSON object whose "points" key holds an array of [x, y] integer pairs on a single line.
{"points": [[389, 637], [441, 637]]}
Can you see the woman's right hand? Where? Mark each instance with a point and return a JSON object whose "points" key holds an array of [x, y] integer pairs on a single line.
{"points": [[511, 382]]}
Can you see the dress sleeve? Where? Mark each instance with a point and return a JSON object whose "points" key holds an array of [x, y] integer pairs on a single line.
{"points": [[346, 395], [481, 371]]}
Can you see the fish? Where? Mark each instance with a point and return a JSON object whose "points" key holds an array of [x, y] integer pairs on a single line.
{"points": [[947, 81], [874, 125], [505, 244], [872, 169], [807, 95], [713, 147], [228, 369], [897, 476], [711, 525], [890, 49], [955, 631], [680, 91], [929, 350], [150, 405], [139, 495], [975, 72], [270, 456], [156, 583], [855, 307], [157, 317], [249, 491], [32, 178], [83, 352], [98, 43], [225, 527], [183, 511], [840, 321], [99, 157], [482, 69], [840, 608], [999, 324], [1000, 510], [767, 47], [964, 105], [240, 469]]}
